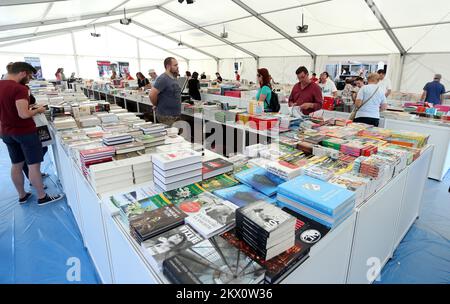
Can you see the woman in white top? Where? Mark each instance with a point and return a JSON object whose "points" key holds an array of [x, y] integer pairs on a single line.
{"points": [[370, 101], [327, 85]]}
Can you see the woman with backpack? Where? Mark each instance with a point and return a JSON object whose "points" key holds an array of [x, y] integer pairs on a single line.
{"points": [[265, 88]]}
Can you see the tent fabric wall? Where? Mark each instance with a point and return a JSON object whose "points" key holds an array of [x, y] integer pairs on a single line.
{"points": [[248, 71], [208, 66], [394, 70], [282, 69], [419, 69]]}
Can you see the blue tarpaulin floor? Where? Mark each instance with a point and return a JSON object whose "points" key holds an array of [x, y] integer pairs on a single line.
{"points": [[39, 244]]}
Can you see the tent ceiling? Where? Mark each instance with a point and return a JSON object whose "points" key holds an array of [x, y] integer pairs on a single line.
{"points": [[336, 27]]}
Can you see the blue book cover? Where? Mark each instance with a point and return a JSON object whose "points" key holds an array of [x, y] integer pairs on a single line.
{"points": [[314, 218], [317, 194], [260, 179], [242, 195]]}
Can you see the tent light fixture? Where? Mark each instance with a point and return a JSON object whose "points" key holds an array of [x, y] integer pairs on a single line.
{"points": [[125, 20], [302, 29]]}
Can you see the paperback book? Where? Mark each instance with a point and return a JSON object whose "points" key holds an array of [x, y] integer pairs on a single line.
{"points": [[242, 195]]}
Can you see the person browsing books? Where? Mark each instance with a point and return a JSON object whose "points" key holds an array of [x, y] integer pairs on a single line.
{"points": [[434, 91], [194, 87], [166, 94], [327, 85], [19, 132], [384, 83], [306, 94], [370, 101], [143, 82], [264, 93]]}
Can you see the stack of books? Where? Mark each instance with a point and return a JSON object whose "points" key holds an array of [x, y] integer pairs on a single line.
{"points": [[333, 143], [151, 141], [128, 150], [216, 167], [155, 222], [115, 128], [142, 169], [127, 117], [64, 122], [89, 121], [177, 169], [117, 139], [150, 129], [266, 228], [323, 202], [95, 156], [107, 118], [110, 176], [357, 184]]}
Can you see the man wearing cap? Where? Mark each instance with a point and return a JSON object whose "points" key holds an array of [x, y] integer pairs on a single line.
{"points": [[152, 75], [434, 91]]}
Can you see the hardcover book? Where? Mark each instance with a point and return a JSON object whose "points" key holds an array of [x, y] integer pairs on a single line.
{"points": [[209, 214], [154, 222], [179, 195], [167, 161], [317, 194], [216, 167], [243, 195], [260, 179]]}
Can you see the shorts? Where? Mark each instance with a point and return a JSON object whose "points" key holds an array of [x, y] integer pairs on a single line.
{"points": [[24, 148], [167, 120], [368, 120]]}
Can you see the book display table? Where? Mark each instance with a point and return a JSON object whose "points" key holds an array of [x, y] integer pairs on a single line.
{"points": [[373, 230]]}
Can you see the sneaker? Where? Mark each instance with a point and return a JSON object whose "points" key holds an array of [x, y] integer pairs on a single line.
{"points": [[24, 199], [49, 199]]}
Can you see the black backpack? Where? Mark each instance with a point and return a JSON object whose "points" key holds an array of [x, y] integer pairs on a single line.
{"points": [[274, 104]]}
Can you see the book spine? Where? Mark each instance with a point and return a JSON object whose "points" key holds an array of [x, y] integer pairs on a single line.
{"points": [[325, 223]]}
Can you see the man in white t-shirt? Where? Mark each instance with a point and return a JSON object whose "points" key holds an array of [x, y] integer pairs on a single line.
{"points": [[384, 83], [327, 85]]}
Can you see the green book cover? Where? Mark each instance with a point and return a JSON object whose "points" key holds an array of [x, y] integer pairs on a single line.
{"points": [[179, 195], [219, 182]]}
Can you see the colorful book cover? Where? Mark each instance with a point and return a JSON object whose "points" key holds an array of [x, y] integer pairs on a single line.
{"points": [[179, 195], [260, 179], [317, 194], [242, 195], [218, 182], [215, 164]]}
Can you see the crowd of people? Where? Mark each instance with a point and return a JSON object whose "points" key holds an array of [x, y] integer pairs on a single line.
{"points": [[17, 107]]}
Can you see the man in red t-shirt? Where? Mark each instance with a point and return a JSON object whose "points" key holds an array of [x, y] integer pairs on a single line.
{"points": [[238, 77], [306, 94], [19, 132]]}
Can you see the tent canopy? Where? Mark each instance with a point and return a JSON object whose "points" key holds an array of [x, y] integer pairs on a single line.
{"points": [[256, 28]]}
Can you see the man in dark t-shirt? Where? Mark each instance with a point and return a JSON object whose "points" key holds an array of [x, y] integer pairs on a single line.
{"points": [[166, 94], [19, 132], [434, 91]]}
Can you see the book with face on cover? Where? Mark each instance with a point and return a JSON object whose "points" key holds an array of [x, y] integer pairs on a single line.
{"points": [[260, 179], [167, 244], [242, 195], [268, 219], [209, 214]]}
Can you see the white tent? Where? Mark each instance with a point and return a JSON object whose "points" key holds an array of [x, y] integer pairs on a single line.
{"points": [[409, 35]]}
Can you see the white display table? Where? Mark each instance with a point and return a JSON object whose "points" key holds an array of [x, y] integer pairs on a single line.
{"points": [[439, 137], [374, 230]]}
